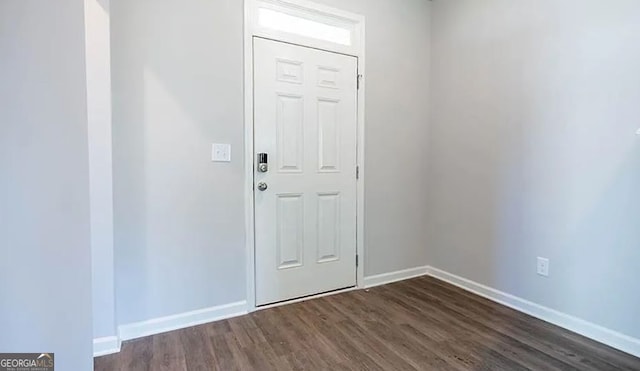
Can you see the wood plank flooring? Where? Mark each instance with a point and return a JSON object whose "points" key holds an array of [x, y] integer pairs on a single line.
{"points": [[419, 324]]}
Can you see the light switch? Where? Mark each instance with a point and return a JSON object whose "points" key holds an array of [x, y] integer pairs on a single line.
{"points": [[221, 152]]}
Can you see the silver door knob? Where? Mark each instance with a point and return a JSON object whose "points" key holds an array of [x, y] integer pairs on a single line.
{"points": [[262, 186]]}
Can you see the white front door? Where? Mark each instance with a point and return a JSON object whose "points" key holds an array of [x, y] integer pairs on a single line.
{"points": [[305, 115]]}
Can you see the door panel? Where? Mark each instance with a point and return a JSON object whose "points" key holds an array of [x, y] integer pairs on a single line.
{"points": [[328, 227], [305, 119], [328, 135], [290, 233], [289, 129]]}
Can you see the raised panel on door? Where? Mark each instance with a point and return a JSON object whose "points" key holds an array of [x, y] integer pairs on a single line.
{"points": [[305, 215], [328, 135], [289, 230], [289, 71], [289, 132], [328, 244]]}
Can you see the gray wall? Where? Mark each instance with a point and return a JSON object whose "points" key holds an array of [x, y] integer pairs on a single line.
{"points": [[533, 151], [178, 87], [45, 263]]}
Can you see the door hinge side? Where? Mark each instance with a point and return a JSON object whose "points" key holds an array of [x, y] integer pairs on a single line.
{"points": [[357, 260], [357, 172], [358, 78]]}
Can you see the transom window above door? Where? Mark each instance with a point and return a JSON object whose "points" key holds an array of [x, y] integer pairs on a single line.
{"points": [[298, 22], [280, 21]]}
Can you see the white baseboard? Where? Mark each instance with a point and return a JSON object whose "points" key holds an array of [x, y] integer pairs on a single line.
{"points": [[385, 278], [598, 333], [106, 345], [625, 343], [182, 320]]}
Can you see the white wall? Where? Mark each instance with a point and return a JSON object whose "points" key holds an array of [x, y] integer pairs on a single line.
{"points": [[178, 87], [45, 269], [98, 63], [533, 151]]}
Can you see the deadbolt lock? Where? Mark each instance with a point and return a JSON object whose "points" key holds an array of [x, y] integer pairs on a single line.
{"points": [[263, 163]]}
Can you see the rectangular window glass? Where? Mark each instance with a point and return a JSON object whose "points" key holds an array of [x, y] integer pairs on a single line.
{"points": [[304, 27]]}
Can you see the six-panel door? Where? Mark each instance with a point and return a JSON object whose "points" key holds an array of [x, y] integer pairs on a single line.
{"points": [[305, 119]]}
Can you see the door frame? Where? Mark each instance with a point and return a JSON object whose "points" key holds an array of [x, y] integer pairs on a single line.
{"points": [[252, 28]]}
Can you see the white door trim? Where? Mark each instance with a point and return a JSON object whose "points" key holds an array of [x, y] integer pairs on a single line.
{"points": [[325, 15]]}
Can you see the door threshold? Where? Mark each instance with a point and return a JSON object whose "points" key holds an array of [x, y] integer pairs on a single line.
{"points": [[305, 298]]}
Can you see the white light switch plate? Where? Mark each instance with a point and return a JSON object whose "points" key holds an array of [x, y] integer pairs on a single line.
{"points": [[221, 152], [543, 266]]}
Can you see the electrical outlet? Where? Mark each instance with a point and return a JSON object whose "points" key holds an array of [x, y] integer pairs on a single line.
{"points": [[543, 267]]}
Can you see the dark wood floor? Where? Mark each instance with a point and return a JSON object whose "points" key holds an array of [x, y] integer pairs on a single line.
{"points": [[422, 324]]}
